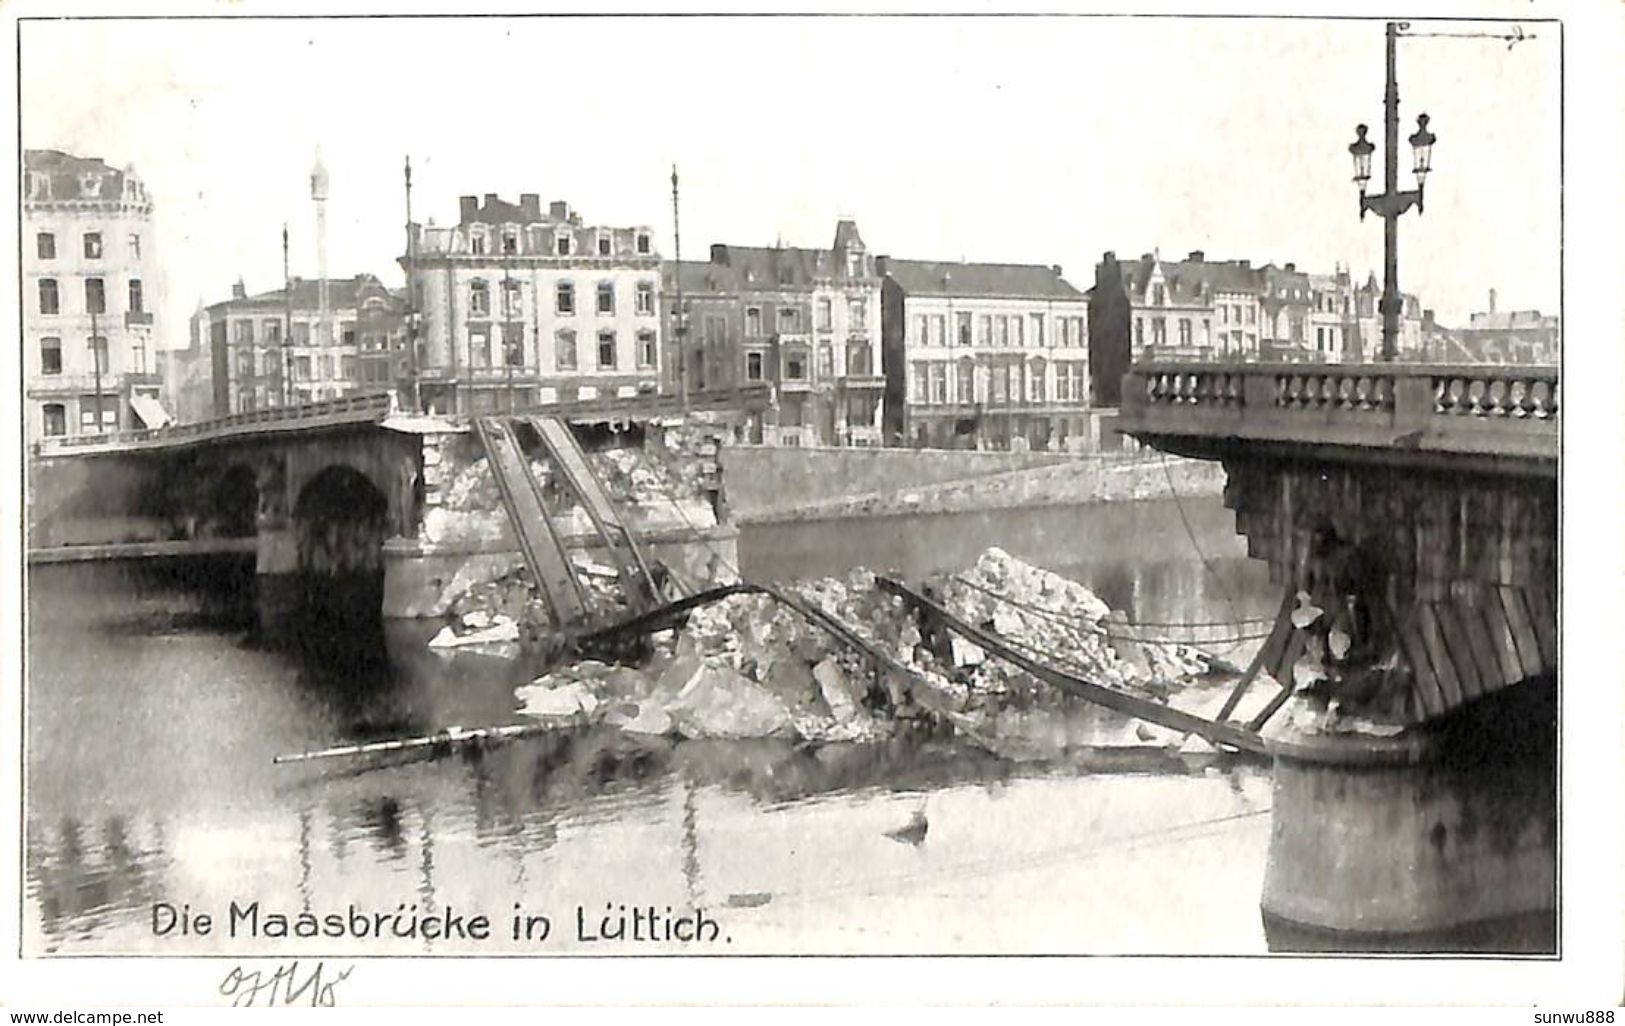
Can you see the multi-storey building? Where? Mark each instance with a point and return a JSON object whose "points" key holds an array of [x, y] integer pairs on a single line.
{"points": [[267, 349], [1198, 309], [1507, 336], [518, 306], [805, 321], [90, 335], [984, 355]]}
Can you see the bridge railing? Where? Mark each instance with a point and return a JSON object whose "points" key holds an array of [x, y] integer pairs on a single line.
{"points": [[1481, 408], [367, 406]]}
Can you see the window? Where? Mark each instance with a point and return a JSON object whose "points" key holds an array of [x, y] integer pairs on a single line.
{"points": [[510, 243], [1063, 383], [513, 299], [606, 350], [1036, 373], [646, 298], [479, 345], [138, 354], [135, 296], [561, 245], [45, 245], [789, 320], [564, 298], [1158, 296], [606, 297], [753, 320], [301, 333], [1185, 331], [564, 350], [347, 368], [795, 368], [967, 381], [985, 330], [479, 299], [753, 366], [1224, 315], [924, 336], [939, 382], [49, 303], [1080, 332], [347, 334], [301, 369], [1038, 330], [918, 381], [476, 243], [1159, 332], [93, 245], [962, 324], [243, 332], [89, 408], [999, 390], [825, 315], [513, 345], [1139, 333], [55, 416], [648, 349], [857, 315], [1017, 326], [826, 360], [1004, 331], [245, 363], [135, 246], [95, 296], [1063, 327], [50, 355], [603, 245], [1250, 311], [859, 362], [643, 243]]}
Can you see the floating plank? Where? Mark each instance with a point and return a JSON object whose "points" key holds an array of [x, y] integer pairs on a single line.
{"points": [[1443, 667], [1522, 633], [1543, 617], [1459, 649], [1426, 683]]}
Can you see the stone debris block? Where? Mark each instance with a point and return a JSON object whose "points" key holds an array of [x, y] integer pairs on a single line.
{"points": [[720, 702], [500, 629], [542, 701]]}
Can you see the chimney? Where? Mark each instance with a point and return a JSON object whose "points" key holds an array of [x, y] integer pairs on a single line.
{"points": [[1110, 257], [490, 200], [1245, 265], [558, 210], [1291, 267], [882, 265], [239, 290], [1056, 268], [1146, 257], [1197, 257], [530, 206], [719, 253], [1492, 300], [468, 208]]}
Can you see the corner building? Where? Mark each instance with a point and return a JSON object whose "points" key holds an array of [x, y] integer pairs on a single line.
{"points": [[517, 306]]}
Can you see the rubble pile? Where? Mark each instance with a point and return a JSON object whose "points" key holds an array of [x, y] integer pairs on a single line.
{"points": [[750, 666]]}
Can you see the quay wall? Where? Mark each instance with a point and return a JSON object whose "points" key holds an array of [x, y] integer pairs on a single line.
{"points": [[91, 500], [1072, 481], [762, 480]]}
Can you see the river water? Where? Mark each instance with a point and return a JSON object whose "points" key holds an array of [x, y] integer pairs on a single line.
{"points": [[152, 799]]}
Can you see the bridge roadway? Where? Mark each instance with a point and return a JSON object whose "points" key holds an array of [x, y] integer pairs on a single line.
{"points": [[1409, 515]]}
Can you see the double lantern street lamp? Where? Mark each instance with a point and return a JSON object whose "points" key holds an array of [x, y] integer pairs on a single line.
{"points": [[1391, 202]]}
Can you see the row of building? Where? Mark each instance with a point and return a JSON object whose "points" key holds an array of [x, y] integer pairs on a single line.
{"points": [[516, 304]]}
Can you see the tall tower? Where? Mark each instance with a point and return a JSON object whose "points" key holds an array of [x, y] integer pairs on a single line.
{"points": [[318, 194]]}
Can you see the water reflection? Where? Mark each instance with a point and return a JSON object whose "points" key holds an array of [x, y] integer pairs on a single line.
{"points": [[153, 716]]}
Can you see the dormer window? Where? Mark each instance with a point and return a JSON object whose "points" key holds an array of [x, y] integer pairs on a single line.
{"points": [[476, 243], [854, 264], [643, 244], [561, 244], [510, 243], [90, 185], [603, 244], [1158, 295]]}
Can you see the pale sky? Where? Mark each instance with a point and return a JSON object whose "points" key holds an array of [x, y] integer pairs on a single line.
{"points": [[1030, 140]]}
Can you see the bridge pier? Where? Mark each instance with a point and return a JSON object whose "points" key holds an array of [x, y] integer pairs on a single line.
{"points": [[278, 584], [1421, 840]]}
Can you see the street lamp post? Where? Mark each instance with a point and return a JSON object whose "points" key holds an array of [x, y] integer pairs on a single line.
{"points": [[96, 355], [1391, 202]]}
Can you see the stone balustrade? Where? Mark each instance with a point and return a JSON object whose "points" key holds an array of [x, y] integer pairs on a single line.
{"points": [[1485, 410]]}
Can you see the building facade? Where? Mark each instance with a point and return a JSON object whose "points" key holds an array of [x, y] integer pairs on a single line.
{"points": [[1200, 309], [805, 321], [90, 331], [984, 356], [1508, 336], [517, 306], [265, 350]]}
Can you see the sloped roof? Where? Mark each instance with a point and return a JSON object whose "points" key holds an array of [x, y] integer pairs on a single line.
{"points": [[1026, 281], [342, 293], [67, 174]]}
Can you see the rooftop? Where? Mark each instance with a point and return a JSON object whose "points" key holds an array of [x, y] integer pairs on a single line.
{"points": [[946, 278], [55, 175]]}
